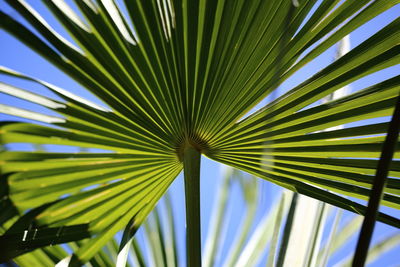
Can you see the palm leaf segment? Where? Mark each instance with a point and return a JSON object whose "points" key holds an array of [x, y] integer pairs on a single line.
{"points": [[188, 72]]}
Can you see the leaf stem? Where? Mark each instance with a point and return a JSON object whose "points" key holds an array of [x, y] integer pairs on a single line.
{"points": [[378, 187], [287, 230], [191, 163]]}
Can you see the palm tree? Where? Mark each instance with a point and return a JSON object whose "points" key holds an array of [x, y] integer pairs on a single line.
{"points": [[176, 79]]}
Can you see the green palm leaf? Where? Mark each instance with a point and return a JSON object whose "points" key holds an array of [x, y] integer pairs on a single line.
{"points": [[182, 78], [151, 245]]}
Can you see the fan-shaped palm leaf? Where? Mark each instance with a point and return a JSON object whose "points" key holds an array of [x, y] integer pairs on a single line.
{"points": [[176, 84]]}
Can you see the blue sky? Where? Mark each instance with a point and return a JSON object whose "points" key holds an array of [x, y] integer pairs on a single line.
{"points": [[16, 56]]}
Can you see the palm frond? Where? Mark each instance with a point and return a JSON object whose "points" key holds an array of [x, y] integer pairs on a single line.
{"points": [[172, 74]]}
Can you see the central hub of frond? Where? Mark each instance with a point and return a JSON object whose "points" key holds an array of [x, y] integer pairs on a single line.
{"points": [[193, 142]]}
